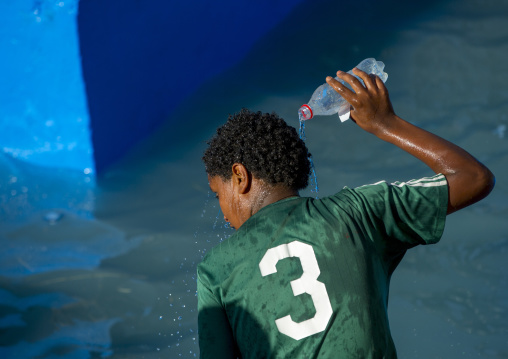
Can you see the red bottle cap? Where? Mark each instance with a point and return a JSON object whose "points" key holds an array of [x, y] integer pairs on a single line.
{"points": [[305, 112]]}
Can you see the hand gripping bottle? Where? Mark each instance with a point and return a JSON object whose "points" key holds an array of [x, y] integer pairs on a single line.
{"points": [[326, 101]]}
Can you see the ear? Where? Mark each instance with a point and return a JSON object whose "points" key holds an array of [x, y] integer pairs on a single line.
{"points": [[241, 178]]}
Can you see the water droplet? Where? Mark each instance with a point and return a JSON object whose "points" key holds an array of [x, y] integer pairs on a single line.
{"points": [[52, 217], [500, 131]]}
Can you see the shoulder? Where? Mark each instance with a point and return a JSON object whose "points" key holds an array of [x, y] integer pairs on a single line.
{"points": [[383, 190], [378, 199], [217, 252]]}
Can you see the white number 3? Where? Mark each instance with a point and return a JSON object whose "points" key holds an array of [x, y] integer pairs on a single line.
{"points": [[307, 283]]}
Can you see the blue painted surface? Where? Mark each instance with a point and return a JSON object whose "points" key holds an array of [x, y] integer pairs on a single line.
{"points": [[142, 58], [44, 117]]}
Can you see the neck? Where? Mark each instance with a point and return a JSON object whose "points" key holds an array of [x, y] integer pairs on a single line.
{"points": [[268, 194]]}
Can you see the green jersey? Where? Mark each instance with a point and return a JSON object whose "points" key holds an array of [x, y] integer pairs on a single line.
{"points": [[309, 278]]}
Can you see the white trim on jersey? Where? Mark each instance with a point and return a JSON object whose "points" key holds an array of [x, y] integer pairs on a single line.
{"points": [[435, 181]]}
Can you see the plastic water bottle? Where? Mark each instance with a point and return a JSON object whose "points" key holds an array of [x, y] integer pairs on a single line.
{"points": [[326, 101]]}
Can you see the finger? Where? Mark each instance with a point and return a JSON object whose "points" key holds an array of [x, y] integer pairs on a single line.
{"points": [[351, 80], [341, 89], [368, 79], [381, 85]]}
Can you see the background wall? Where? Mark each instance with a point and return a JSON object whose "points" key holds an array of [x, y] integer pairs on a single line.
{"points": [[142, 58], [44, 117]]}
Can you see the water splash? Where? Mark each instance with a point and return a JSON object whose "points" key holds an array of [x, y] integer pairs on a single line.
{"points": [[314, 188]]}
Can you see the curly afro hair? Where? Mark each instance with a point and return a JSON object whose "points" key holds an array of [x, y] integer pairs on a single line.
{"points": [[265, 144]]}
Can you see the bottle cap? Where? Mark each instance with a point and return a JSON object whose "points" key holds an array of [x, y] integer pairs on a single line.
{"points": [[305, 112]]}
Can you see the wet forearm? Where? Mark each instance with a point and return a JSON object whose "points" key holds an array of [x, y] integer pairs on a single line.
{"points": [[468, 179]]}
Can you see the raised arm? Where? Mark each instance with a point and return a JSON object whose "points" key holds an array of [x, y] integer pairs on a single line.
{"points": [[468, 180]]}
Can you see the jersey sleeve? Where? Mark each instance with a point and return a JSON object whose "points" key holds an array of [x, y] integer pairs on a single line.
{"points": [[215, 335], [409, 213]]}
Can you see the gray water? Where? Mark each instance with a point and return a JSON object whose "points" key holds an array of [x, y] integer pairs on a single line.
{"points": [[113, 274]]}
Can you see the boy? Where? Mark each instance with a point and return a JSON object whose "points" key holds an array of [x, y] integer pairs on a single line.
{"points": [[306, 278]]}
